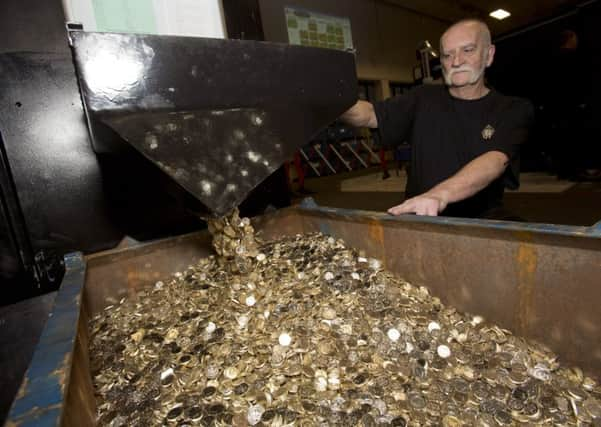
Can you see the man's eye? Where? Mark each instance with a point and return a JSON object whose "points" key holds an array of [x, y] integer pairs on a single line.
{"points": [[469, 49], [445, 56]]}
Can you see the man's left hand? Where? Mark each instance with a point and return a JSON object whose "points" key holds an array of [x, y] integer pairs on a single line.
{"points": [[424, 204]]}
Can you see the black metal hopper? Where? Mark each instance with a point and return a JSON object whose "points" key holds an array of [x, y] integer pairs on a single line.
{"points": [[218, 116]]}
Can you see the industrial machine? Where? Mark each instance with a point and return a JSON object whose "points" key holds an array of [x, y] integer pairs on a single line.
{"points": [[218, 116]]}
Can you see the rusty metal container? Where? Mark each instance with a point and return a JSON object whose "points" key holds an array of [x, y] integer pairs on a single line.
{"points": [[540, 281]]}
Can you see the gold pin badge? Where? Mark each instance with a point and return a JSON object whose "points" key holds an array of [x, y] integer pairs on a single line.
{"points": [[488, 132]]}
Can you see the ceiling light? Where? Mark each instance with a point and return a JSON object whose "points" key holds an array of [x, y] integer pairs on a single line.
{"points": [[500, 14]]}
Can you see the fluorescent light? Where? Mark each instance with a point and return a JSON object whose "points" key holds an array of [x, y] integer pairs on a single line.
{"points": [[500, 14]]}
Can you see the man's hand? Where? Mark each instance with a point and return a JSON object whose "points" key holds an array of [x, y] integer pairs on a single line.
{"points": [[425, 204]]}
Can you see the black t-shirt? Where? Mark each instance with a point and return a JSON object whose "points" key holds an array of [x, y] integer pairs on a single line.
{"points": [[446, 133]]}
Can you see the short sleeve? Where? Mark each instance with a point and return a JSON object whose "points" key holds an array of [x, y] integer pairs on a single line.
{"points": [[513, 130], [395, 117]]}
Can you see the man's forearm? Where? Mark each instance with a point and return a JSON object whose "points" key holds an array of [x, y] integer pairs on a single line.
{"points": [[361, 114], [472, 178]]}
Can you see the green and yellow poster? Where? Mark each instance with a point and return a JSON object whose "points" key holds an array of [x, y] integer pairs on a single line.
{"points": [[315, 29]]}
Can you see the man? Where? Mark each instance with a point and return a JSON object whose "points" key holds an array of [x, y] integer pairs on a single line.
{"points": [[465, 136]]}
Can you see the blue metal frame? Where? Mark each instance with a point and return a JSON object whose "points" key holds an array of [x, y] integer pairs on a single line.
{"points": [[41, 398], [309, 204]]}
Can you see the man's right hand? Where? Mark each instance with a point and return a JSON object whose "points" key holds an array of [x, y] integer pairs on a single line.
{"points": [[361, 114]]}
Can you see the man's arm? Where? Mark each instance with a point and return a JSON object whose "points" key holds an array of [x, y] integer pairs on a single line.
{"points": [[361, 114], [472, 178]]}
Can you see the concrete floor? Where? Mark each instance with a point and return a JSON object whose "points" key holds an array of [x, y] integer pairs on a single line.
{"points": [[541, 198]]}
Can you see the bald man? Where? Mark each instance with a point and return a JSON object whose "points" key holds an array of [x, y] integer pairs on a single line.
{"points": [[465, 136]]}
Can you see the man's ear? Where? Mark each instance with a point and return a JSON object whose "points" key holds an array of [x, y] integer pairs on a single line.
{"points": [[490, 55]]}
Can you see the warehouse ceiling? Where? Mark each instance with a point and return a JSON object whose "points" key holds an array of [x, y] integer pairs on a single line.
{"points": [[523, 13]]}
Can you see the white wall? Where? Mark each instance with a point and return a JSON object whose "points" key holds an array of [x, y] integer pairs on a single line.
{"points": [[384, 35]]}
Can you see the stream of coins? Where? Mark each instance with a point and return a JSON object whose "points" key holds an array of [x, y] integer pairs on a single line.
{"points": [[305, 331]]}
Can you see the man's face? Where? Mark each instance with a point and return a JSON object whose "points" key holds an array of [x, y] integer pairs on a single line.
{"points": [[464, 55]]}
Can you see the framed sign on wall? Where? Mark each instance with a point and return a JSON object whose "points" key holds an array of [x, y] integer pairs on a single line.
{"points": [[308, 28]]}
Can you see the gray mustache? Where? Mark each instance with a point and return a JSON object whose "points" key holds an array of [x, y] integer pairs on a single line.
{"points": [[459, 70]]}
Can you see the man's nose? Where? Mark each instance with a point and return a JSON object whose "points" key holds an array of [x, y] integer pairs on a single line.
{"points": [[457, 59]]}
